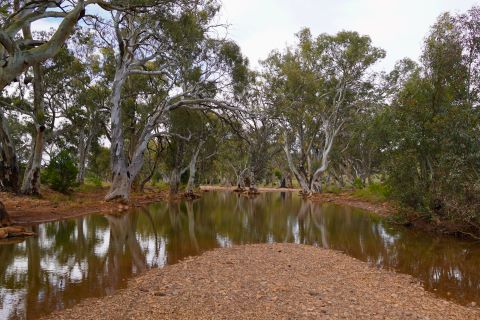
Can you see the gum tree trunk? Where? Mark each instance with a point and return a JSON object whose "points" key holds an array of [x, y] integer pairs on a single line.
{"points": [[9, 171], [121, 182], [15, 62], [302, 180], [83, 151], [192, 167], [31, 179], [174, 181], [316, 183]]}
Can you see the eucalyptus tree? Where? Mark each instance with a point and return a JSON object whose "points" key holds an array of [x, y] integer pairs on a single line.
{"points": [[314, 89], [432, 161], [188, 132], [260, 136], [207, 135], [20, 51], [9, 168], [57, 110], [155, 152], [152, 44], [86, 106]]}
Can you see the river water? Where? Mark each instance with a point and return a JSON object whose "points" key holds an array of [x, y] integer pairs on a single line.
{"points": [[95, 255]]}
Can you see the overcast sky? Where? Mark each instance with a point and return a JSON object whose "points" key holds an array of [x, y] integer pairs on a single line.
{"points": [[398, 26]]}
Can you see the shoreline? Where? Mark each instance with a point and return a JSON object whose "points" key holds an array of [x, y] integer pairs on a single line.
{"points": [[384, 209], [31, 210], [260, 189], [270, 281], [52, 206]]}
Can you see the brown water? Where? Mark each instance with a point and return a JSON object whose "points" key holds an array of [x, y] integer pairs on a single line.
{"points": [[94, 256]]}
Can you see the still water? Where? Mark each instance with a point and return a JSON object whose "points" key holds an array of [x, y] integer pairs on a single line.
{"points": [[95, 255]]}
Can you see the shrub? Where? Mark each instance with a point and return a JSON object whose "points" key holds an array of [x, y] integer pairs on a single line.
{"points": [[358, 183], [96, 181], [375, 191], [61, 172]]}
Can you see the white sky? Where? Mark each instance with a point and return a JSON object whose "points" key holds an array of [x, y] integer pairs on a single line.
{"points": [[398, 26]]}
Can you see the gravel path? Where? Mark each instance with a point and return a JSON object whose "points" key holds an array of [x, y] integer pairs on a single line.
{"points": [[279, 281]]}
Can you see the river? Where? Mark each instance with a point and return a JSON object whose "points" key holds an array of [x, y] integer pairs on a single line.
{"points": [[93, 256]]}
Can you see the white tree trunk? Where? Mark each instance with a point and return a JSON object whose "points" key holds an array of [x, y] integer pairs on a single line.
{"points": [[31, 179], [330, 134], [302, 180], [192, 168], [81, 158], [83, 151], [121, 178], [9, 171]]}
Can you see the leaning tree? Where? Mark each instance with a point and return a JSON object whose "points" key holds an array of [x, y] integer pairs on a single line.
{"points": [[313, 89], [157, 44]]}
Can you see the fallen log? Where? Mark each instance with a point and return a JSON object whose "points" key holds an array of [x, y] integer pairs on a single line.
{"points": [[15, 231]]}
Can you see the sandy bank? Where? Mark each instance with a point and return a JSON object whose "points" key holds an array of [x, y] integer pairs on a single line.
{"points": [[270, 282], [53, 206]]}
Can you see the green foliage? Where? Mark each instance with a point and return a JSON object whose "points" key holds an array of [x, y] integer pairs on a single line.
{"points": [[358, 183], [333, 189], [61, 172], [99, 162], [95, 180], [278, 174], [433, 155], [376, 192]]}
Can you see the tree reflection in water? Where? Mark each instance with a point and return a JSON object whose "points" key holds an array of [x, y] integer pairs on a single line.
{"points": [[93, 256]]}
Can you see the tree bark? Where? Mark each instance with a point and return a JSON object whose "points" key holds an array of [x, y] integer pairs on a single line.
{"points": [[83, 151], [302, 180], [31, 179], [121, 181], [174, 181], [9, 171], [151, 173], [192, 168]]}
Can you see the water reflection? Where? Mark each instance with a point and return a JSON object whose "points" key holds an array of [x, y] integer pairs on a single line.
{"points": [[94, 256]]}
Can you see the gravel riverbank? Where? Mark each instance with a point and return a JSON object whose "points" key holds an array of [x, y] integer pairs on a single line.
{"points": [[270, 281]]}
